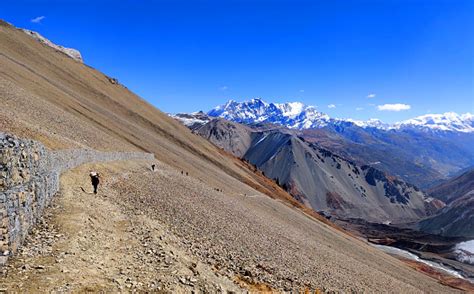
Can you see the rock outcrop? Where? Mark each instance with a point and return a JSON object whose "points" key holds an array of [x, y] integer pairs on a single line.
{"points": [[73, 53]]}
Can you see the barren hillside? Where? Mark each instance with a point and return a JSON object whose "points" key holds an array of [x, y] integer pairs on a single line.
{"points": [[237, 234]]}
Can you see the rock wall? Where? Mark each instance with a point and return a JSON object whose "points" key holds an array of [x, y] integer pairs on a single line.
{"points": [[29, 178]]}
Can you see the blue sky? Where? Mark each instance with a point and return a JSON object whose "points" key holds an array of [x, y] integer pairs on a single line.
{"points": [[185, 56]]}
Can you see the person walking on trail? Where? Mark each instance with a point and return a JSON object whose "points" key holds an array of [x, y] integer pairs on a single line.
{"points": [[153, 167], [95, 180]]}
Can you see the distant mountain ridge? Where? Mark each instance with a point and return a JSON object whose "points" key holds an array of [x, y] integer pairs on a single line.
{"points": [[421, 157], [315, 176], [296, 115]]}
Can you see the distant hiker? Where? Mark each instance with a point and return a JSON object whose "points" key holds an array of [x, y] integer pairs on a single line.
{"points": [[186, 173], [181, 172], [153, 167], [95, 180]]}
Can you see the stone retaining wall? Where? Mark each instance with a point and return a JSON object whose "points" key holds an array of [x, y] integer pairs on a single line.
{"points": [[29, 178]]}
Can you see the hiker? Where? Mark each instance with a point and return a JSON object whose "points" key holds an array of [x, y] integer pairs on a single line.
{"points": [[95, 180], [153, 167]]}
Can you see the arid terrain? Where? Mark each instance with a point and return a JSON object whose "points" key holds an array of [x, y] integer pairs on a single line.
{"points": [[204, 221], [147, 230]]}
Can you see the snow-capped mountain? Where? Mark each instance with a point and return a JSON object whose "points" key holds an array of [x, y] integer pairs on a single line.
{"points": [[371, 123], [296, 115], [449, 121], [192, 120]]}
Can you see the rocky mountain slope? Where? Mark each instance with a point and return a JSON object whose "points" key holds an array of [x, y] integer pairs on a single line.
{"points": [[418, 157], [455, 188], [49, 97], [317, 177], [426, 150], [457, 218]]}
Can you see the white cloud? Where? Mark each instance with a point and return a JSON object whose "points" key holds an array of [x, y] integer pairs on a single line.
{"points": [[331, 106], [38, 19], [371, 95], [224, 88], [301, 91], [393, 107], [359, 108]]}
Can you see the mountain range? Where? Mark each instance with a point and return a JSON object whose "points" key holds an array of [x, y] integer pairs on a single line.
{"points": [[423, 151], [343, 168], [296, 115], [203, 220], [315, 176]]}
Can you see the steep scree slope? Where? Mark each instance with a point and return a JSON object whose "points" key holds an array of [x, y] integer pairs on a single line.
{"points": [[62, 103], [319, 178]]}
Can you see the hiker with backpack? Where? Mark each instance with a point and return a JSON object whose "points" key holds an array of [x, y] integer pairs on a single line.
{"points": [[95, 180]]}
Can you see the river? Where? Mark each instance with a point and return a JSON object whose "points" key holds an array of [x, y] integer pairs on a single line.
{"points": [[438, 266]]}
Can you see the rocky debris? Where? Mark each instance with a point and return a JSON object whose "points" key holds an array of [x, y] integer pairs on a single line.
{"points": [[86, 243], [165, 232], [113, 81], [243, 239], [29, 178]]}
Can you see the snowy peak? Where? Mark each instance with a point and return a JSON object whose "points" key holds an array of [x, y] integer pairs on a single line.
{"points": [[73, 53], [294, 115], [251, 111], [192, 120], [449, 121], [371, 123], [291, 109]]}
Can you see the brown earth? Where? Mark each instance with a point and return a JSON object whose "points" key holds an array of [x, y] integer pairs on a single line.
{"points": [[163, 230], [102, 243], [89, 243]]}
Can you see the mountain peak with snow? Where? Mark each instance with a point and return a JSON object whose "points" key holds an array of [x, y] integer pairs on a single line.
{"points": [[297, 115], [294, 115], [448, 121]]}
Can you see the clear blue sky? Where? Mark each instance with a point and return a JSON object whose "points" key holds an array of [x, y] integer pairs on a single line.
{"points": [[190, 55]]}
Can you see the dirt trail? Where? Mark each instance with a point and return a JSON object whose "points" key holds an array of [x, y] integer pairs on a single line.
{"points": [[87, 243], [167, 232]]}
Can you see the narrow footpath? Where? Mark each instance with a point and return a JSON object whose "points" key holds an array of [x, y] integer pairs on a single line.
{"points": [[86, 242]]}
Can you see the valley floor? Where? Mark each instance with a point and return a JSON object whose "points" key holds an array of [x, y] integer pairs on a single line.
{"points": [[167, 231]]}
